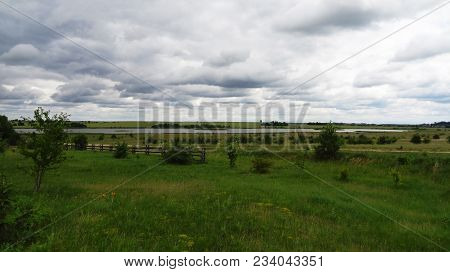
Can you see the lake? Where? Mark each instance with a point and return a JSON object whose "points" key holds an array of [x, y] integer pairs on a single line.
{"points": [[203, 131]]}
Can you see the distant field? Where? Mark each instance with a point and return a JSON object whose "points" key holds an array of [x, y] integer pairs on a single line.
{"points": [[403, 143], [210, 207]]}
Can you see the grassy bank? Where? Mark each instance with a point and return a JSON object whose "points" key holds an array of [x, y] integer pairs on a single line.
{"points": [[210, 207]]}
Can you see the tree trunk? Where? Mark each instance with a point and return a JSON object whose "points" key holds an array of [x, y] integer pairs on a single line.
{"points": [[37, 180]]}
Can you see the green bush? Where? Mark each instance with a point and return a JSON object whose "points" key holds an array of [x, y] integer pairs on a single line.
{"points": [[19, 216], [436, 136], [402, 160], [101, 137], [343, 176], [121, 151], [448, 139], [80, 141], [261, 165], [386, 140], [426, 140], [232, 153], [416, 139], [395, 174], [178, 155], [329, 143]]}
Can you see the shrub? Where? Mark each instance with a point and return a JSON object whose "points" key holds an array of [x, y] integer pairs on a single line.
{"points": [[329, 143], [402, 160], [395, 174], [448, 139], [80, 141], [121, 151], [178, 155], [232, 153], [101, 137], [2, 147], [261, 165], [343, 176], [386, 140], [113, 136], [436, 136], [19, 217], [426, 140], [415, 139]]}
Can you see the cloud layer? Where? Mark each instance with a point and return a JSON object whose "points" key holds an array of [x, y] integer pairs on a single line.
{"points": [[114, 54]]}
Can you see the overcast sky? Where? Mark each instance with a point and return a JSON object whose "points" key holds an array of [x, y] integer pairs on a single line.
{"points": [[225, 51]]}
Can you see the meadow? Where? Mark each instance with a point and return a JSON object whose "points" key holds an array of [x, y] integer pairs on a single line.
{"points": [[142, 204]]}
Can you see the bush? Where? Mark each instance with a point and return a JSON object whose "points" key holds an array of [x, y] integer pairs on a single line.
{"points": [[386, 140], [101, 137], [329, 143], [19, 217], [436, 136], [343, 176], [395, 177], [261, 165], [426, 140], [2, 147], [232, 153], [80, 141], [113, 136], [121, 151], [448, 139], [402, 160], [415, 139], [178, 155]]}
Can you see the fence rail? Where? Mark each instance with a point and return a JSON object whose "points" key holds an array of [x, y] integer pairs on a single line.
{"points": [[199, 154]]}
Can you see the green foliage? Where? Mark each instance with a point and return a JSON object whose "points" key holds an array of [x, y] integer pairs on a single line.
{"points": [[18, 216], [113, 136], [395, 174], [2, 147], [7, 133], [101, 137], [361, 139], [426, 140], [436, 136], [121, 151], [261, 165], [80, 141], [178, 155], [402, 160], [45, 147], [343, 175], [448, 139], [386, 140], [232, 153], [416, 139], [329, 143]]}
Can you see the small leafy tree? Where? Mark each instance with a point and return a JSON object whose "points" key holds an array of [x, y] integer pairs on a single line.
{"points": [[232, 153], [416, 139], [121, 151], [46, 146], [329, 143], [80, 141]]}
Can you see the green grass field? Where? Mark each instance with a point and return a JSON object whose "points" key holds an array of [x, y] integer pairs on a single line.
{"points": [[210, 207]]}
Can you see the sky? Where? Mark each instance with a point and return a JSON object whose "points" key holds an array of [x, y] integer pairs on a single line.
{"points": [[101, 59]]}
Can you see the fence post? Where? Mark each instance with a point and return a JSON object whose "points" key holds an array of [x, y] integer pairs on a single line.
{"points": [[203, 155]]}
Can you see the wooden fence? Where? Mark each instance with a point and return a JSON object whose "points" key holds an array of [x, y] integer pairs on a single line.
{"points": [[199, 154]]}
